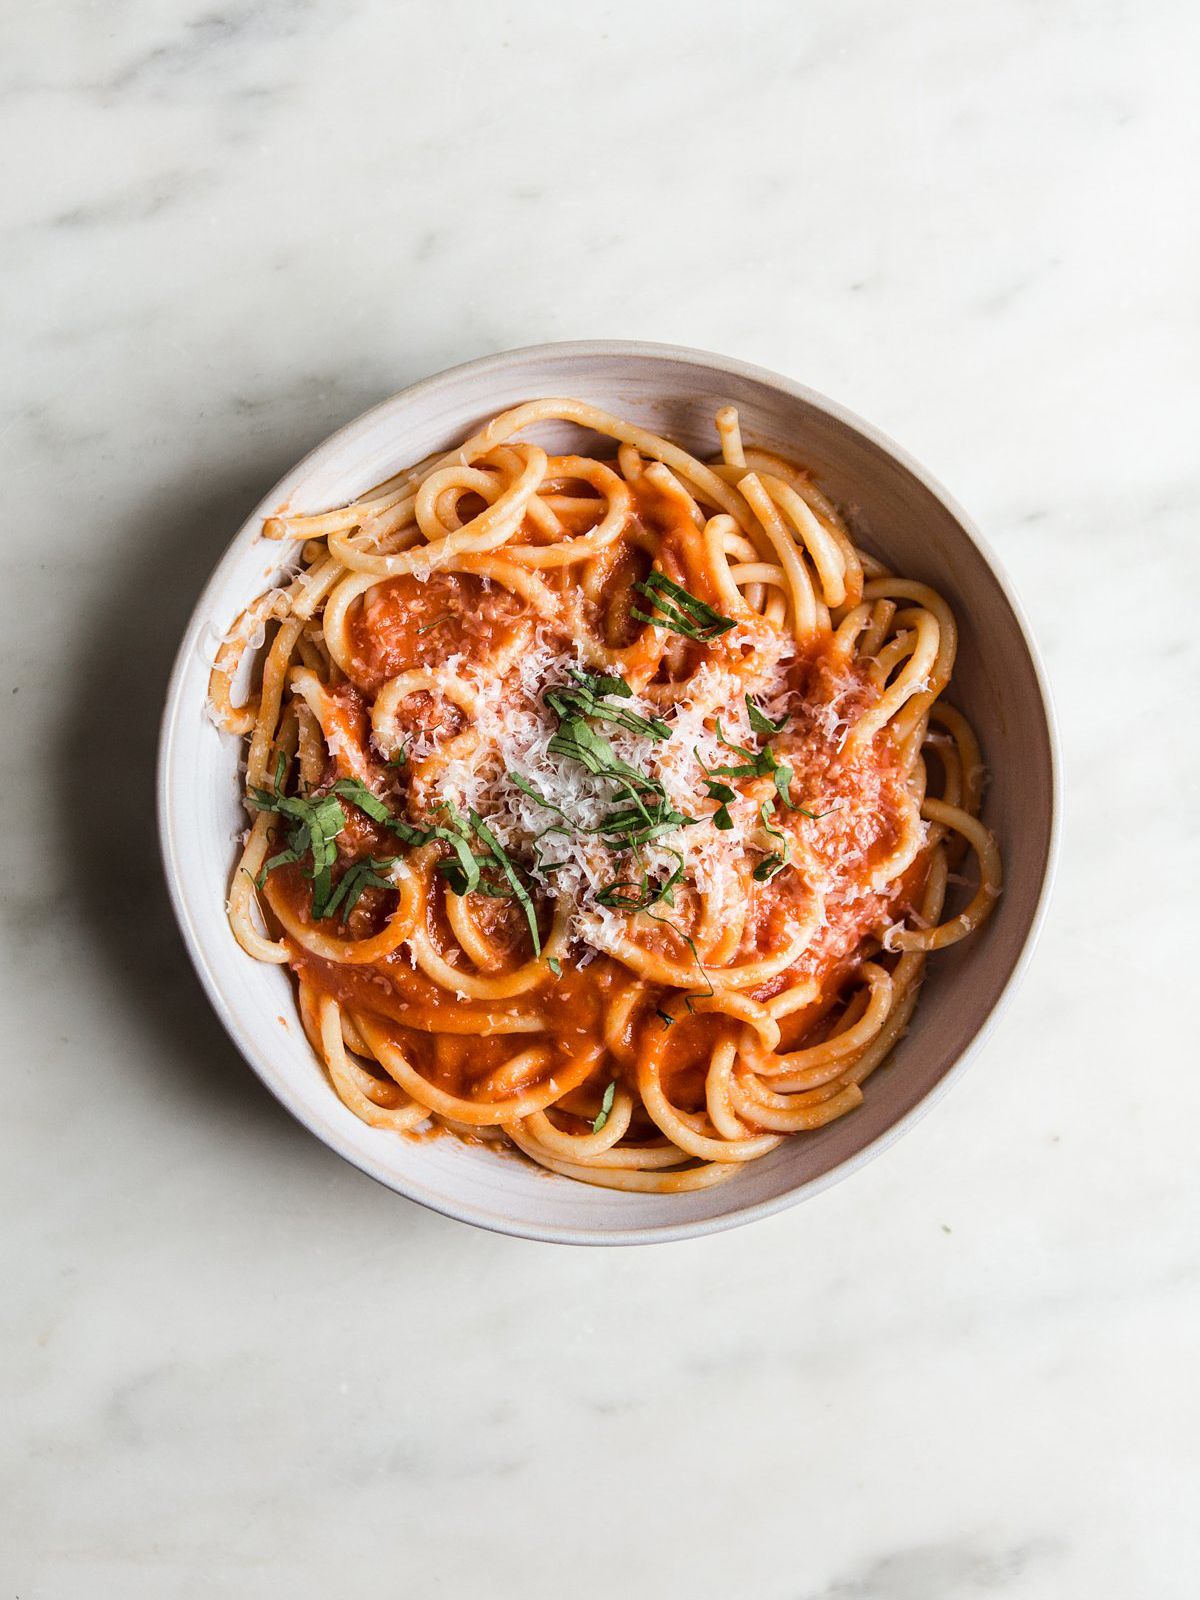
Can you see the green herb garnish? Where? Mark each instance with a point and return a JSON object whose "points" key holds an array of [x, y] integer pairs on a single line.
{"points": [[681, 612], [437, 621], [462, 874], [362, 875], [723, 793], [555, 965], [752, 765], [691, 944], [760, 722], [667, 1018], [315, 825], [588, 700], [358, 794], [777, 860], [465, 874], [535, 793], [646, 814], [622, 828], [629, 895], [497, 853], [643, 812], [602, 683], [576, 739], [280, 860], [632, 827], [761, 764], [606, 1106]]}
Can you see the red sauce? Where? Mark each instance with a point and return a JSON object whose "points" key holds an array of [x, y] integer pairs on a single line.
{"points": [[404, 622]]}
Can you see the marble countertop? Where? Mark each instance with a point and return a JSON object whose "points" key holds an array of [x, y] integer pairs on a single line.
{"points": [[231, 1364]]}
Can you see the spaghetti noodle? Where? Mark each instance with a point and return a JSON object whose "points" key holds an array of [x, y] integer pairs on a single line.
{"points": [[604, 808]]}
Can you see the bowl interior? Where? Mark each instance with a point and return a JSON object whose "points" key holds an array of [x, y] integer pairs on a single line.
{"points": [[896, 513]]}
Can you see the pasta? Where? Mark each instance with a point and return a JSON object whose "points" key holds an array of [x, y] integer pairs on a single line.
{"points": [[603, 809]]}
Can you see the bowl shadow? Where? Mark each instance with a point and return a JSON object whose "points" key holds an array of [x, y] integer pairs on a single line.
{"points": [[161, 555]]}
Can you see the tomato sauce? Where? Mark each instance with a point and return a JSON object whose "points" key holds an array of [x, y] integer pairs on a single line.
{"points": [[458, 618]]}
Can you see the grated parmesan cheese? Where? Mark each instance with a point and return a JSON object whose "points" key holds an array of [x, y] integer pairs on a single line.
{"points": [[514, 729]]}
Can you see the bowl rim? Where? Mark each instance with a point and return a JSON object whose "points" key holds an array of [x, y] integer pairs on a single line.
{"points": [[258, 1060]]}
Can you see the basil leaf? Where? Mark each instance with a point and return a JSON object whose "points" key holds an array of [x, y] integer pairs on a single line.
{"points": [[760, 722], [584, 702], [322, 893], [681, 611], [691, 944], [767, 868], [647, 892], [738, 749], [582, 743], [362, 875], [535, 794], [358, 794], [815, 816], [315, 827], [783, 779], [280, 860], [606, 1106], [775, 862], [518, 888], [601, 683], [462, 874]]}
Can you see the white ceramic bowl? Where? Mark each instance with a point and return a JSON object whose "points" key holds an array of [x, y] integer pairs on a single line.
{"points": [[896, 510]]}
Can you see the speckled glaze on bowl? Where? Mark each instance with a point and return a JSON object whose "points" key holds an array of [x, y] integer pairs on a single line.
{"points": [[896, 510]]}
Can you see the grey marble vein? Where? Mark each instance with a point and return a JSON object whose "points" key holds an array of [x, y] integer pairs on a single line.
{"points": [[232, 1366]]}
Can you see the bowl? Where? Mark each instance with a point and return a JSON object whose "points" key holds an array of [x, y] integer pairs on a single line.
{"points": [[896, 510]]}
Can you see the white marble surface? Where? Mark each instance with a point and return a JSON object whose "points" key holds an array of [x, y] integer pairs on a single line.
{"points": [[233, 1366]]}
